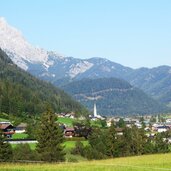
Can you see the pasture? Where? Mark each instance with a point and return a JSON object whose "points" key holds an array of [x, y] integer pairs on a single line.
{"points": [[137, 163], [67, 144], [66, 121], [69, 122], [19, 136]]}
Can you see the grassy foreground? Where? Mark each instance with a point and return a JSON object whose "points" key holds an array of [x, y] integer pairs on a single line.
{"points": [[138, 163]]}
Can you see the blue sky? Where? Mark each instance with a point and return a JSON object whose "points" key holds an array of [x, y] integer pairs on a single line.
{"points": [[134, 33]]}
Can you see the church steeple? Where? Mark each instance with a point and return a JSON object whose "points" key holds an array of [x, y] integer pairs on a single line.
{"points": [[95, 110]]}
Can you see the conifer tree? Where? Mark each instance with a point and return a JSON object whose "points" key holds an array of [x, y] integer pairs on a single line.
{"points": [[50, 138], [5, 149], [161, 143], [97, 148], [134, 140], [112, 144]]}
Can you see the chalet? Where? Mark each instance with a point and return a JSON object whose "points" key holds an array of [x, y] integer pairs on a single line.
{"points": [[162, 128], [138, 125], [66, 115], [69, 132], [119, 131], [21, 128], [7, 129]]}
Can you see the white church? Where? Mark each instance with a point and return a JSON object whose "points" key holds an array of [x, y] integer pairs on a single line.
{"points": [[95, 115]]}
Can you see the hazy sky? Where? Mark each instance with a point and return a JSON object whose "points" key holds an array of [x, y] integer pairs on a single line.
{"points": [[133, 33]]}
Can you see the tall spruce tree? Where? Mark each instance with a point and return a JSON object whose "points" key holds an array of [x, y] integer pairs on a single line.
{"points": [[50, 138], [161, 143], [112, 143], [6, 153], [133, 141], [97, 148]]}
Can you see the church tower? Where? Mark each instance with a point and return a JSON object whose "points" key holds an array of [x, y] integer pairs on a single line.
{"points": [[95, 110]]}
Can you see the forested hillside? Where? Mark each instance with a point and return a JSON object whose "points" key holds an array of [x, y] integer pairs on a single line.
{"points": [[113, 97], [155, 82], [21, 93]]}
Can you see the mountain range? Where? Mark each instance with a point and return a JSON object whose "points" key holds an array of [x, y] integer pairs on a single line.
{"points": [[61, 70], [113, 97]]}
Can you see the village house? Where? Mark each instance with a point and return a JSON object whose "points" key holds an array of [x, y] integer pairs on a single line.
{"points": [[21, 128], [66, 115], [119, 131], [162, 128], [7, 129], [69, 132]]}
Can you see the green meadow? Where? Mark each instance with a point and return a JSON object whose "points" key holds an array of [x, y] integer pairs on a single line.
{"points": [[67, 144], [136, 163], [67, 121], [19, 136]]}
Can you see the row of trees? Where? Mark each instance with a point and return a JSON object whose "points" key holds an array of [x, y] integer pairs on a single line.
{"points": [[103, 143], [108, 144]]}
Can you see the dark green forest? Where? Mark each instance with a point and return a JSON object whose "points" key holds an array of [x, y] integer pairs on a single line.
{"points": [[22, 94]]}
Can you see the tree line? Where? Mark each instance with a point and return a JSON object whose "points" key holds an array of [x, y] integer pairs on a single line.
{"points": [[108, 143]]}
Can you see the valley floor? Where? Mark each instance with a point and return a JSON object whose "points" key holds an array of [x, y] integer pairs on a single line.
{"points": [[138, 163]]}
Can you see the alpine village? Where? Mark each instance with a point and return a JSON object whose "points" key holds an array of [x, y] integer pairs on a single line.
{"points": [[64, 113]]}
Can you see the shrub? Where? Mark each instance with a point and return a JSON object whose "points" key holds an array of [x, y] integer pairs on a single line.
{"points": [[24, 152], [79, 149]]}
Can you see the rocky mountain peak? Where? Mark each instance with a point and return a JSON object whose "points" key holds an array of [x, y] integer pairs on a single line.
{"points": [[19, 50]]}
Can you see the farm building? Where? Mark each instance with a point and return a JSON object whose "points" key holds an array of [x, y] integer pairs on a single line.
{"points": [[21, 128], [7, 129]]}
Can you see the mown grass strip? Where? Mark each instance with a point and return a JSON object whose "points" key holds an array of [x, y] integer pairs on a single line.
{"points": [[137, 163]]}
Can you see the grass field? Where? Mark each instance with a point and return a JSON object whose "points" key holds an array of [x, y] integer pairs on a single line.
{"points": [[68, 145], [67, 121], [71, 144], [19, 136], [32, 146], [139, 163]]}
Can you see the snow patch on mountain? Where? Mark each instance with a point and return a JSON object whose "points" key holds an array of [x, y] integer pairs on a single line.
{"points": [[55, 55], [79, 68], [20, 51]]}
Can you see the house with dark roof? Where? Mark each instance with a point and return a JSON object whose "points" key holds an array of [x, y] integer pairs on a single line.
{"points": [[7, 129], [21, 128], [69, 132], [163, 128]]}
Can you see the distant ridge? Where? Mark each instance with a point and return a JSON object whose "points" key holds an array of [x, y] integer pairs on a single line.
{"points": [[113, 97]]}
